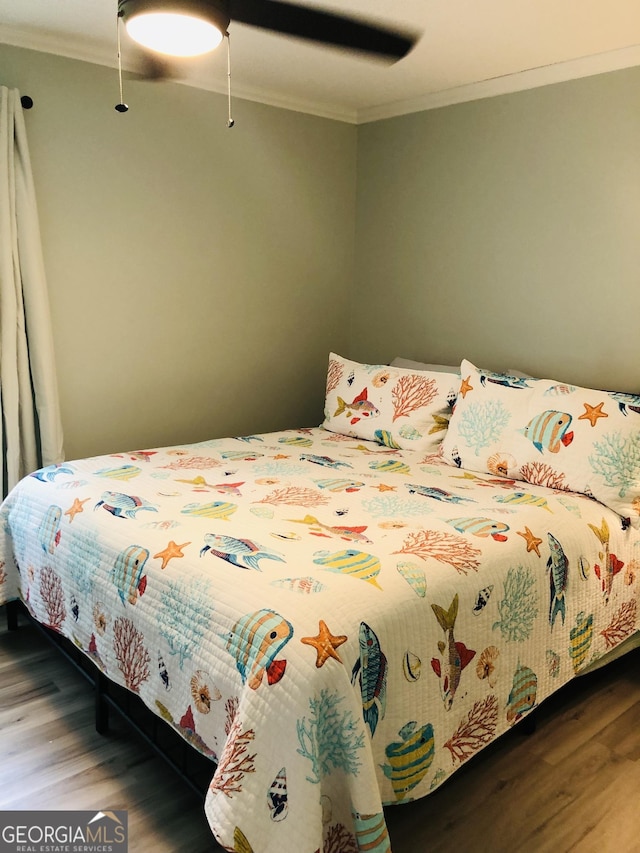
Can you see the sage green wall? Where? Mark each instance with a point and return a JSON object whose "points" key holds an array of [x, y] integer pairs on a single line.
{"points": [[198, 275], [507, 231]]}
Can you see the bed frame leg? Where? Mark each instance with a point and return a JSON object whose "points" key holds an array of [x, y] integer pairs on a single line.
{"points": [[101, 707], [12, 615]]}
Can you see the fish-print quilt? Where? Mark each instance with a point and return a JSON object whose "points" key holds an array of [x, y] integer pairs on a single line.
{"points": [[340, 626]]}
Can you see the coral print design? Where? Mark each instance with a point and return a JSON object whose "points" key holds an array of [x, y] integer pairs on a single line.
{"points": [[340, 617]]}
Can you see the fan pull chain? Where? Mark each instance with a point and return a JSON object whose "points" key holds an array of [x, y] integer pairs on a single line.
{"points": [[121, 107], [230, 121]]}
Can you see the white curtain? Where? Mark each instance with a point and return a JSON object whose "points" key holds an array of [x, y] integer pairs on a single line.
{"points": [[31, 426]]}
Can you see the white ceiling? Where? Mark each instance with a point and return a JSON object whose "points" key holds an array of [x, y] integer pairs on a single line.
{"points": [[468, 49]]}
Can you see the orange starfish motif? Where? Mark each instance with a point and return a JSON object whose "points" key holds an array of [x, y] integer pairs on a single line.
{"points": [[384, 488], [76, 507], [172, 550], [325, 644], [466, 386], [592, 413], [533, 542]]}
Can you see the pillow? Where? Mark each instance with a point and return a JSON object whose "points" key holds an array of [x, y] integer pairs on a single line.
{"points": [[420, 365], [549, 433], [400, 408]]}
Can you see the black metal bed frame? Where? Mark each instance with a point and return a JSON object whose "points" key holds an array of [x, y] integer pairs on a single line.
{"points": [[192, 767]]}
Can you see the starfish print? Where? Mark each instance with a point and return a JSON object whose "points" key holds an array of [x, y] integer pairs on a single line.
{"points": [[384, 488], [466, 386], [325, 644], [76, 507], [172, 550], [533, 543], [592, 413]]}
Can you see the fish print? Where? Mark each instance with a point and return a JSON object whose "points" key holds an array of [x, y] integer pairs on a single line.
{"points": [[326, 461], [125, 472], [456, 656], [296, 441], [523, 498], [522, 697], [504, 379], [383, 436], [358, 409], [558, 566], [480, 526], [482, 599], [241, 455], [127, 573], [355, 564], [609, 565], [277, 797], [50, 472], [371, 832], [254, 642], [414, 576], [580, 638], [339, 485], [49, 530], [549, 431], [409, 758], [390, 466], [626, 402], [437, 494], [370, 669], [217, 509], [121, 505], [350, 534], [243, 553]]}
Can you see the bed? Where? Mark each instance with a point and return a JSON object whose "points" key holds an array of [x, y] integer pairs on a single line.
{"points": [[340, 617]]}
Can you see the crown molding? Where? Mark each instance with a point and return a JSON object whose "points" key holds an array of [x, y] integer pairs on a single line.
{"points": [[531, 78]]}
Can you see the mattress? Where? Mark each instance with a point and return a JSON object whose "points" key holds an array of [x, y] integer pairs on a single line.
{"points": [[338, 625]]}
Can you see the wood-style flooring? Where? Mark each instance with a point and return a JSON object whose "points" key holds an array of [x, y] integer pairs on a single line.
{"points": [[572, 785]]}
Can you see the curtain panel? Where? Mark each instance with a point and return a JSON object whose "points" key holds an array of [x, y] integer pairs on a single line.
{"points": [[31, 424]]}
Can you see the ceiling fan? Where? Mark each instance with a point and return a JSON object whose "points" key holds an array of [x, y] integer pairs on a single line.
{"points": [[184, 28], [192, 27]]}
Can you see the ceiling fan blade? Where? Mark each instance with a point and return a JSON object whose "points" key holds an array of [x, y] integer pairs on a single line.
{"points": [[324, 27]]}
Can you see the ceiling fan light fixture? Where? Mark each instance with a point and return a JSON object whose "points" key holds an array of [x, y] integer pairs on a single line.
{"points": [[174, 34]]}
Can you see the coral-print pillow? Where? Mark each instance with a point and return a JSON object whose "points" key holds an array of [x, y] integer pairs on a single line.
{"points": [[394, 406], [549, 433]]}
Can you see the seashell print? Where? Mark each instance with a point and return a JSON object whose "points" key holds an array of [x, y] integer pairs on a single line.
{"points": [[414, 576], [501, 464], [486, 666], [203, 694], [277, 797], [411, 666]]}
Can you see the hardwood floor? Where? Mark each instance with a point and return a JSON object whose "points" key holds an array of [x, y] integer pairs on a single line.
{"points": [[573, 785]]}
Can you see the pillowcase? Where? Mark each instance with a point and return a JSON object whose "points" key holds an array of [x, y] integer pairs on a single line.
{"points": [[420, 365], [549, 433], [400, 408]]}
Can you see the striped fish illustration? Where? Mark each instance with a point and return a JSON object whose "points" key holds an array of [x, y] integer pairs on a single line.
{"points": [[522, 498], [119, 504], [340, 485], [216, 509], [240, 455], [455, 656], [390, 466], [370, 669], [127, 573], [558, 566], [325, 461], [480, 526], [355, 564], [254, 642], [410, 758], [296, 440], [580, 638], [125, 472], [504, 379], [437, 494], [49, 530], [307, 585], [383, 436], [522, 697], [371, 833], [626, 401], [243, 553], [414, 576], [549, 431]]}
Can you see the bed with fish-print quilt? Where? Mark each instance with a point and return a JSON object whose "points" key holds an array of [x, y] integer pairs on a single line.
{"points": [[337, 621]]}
